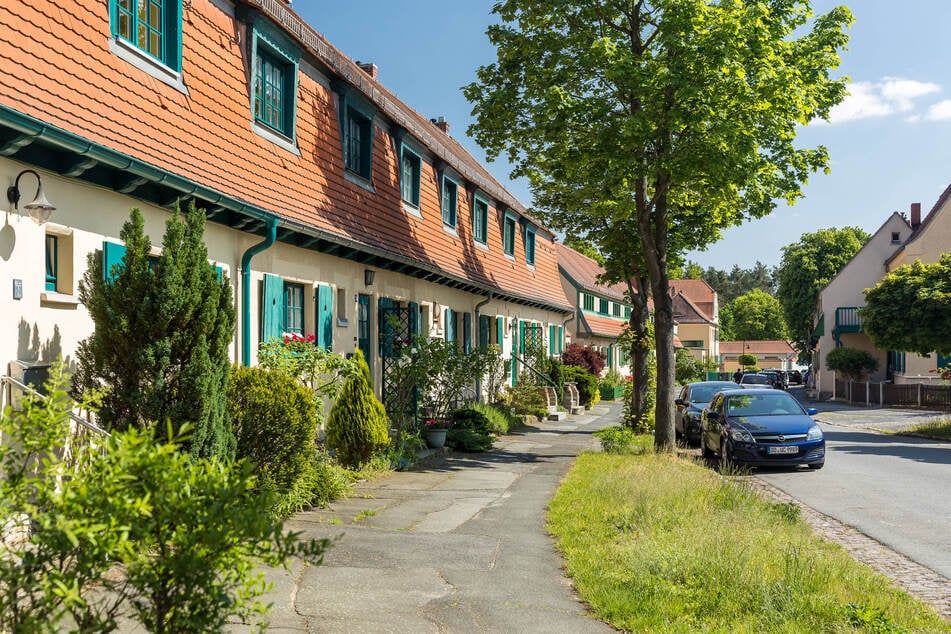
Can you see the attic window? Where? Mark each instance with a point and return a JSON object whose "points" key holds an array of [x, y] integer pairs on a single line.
{"points": [[896, 237]]}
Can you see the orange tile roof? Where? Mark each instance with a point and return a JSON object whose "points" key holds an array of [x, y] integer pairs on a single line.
{"points": [[585, 271], [56, 66], [594, 326], [700, 294]]}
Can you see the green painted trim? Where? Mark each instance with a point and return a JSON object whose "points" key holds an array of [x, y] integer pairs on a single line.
{"points": [[476, 201], [418, 176], [454, 211]]}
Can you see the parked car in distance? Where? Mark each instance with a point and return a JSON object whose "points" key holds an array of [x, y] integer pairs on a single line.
{"points": [[753, 380], [776, 378], [761, 427], [795, 377], [690, 403]]}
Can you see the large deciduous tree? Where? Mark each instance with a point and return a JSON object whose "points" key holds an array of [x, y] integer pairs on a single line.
{"points": [[807, 266], [163, 323], [910, 309], [667, 120], [756, 315]]}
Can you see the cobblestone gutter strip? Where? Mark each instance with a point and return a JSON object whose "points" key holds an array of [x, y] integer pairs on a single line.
{"points": [[913, 578]]}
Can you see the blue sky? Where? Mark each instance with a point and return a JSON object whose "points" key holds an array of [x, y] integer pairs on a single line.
{"points": [[890, 141]]}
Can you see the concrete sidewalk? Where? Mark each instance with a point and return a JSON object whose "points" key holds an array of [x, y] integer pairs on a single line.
{"points": [[460, 546]]}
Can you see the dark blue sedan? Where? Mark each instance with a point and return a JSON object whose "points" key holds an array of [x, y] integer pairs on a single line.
{"points": [[688, 406], [761, 428]]}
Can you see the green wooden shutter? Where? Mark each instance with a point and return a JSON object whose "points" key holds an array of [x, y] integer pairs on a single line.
{"points": [[483, 332], [521, 337], [561, 339], [414, 319], [272, 307], [551, 339], [220, 274], [112, 255], [449, 319], [325, 317], [386, 329], [466, 333], [610, 357], [500, 331]]}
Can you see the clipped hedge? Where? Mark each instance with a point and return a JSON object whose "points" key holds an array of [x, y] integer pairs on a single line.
{"points": [[587, 383], [274, 419]]}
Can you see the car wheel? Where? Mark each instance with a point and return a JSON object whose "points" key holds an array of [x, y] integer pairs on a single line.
{"points": [[817, 465], [725, 462]]}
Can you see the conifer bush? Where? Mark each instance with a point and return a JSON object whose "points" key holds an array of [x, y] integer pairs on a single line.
{"points": [[587, 384], [274, 419], [357, 427]]}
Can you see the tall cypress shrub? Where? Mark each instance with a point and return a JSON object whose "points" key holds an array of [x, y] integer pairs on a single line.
{"points": [[357, 425], [159, 351]]}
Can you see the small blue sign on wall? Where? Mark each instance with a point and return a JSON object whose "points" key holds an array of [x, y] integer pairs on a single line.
{"points": [[17, 289]]}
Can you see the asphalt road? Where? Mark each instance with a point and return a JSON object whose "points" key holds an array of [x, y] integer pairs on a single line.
{"points": [[895, 489]]}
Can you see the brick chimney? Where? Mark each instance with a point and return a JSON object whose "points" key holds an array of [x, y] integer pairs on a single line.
{"points": [[369, 68], [915, 215], [441, 123]]}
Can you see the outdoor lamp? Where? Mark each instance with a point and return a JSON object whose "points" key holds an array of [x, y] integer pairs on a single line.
{"points": [[368, 275], [40, 209]]}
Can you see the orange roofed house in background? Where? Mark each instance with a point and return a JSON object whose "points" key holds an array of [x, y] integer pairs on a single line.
{"points": [[331, 204], [769, 354], [601, 311], [697, 313]]}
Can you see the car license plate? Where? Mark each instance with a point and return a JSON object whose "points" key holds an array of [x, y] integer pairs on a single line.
{"points": [[782, 449]]}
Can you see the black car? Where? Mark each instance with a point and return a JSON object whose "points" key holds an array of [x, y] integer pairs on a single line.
{"points": [[688, 406], [795, 377], [776, 378]]}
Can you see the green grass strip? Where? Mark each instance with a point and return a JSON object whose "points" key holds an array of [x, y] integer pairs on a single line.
{"points": [[935, 429], [654, 543]]}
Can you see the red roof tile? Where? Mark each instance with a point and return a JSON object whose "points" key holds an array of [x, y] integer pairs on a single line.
{"points": [[594, 326], [756, 347], [585, 271], [56, 66]]}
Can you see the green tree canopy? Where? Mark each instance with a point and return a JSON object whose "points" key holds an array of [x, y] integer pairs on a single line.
{"points": [[736, 282], [756, 315], [910, 309], [807, 266], [658, 123]]}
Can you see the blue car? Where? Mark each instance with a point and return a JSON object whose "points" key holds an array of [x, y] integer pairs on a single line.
{"points": [[689, 405], [761, 428]]}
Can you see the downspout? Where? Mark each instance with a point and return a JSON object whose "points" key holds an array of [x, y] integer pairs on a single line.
{"points": [[477, 307], [246, 288]]}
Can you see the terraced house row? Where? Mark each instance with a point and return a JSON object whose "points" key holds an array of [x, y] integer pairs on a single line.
{"points": [[333, 208]]}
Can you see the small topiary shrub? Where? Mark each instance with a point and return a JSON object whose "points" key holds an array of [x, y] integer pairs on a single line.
{"points": [[469, 418], [357, 425], [587, 383], [526, 399], [499, 422], [274, 419], [469, 440]]}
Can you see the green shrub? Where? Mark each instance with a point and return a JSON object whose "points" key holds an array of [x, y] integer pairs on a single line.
{"points": [[326, 480], [854, 363], [357, 425], [587, 383], [498, 421], [612, 379], [623, 440], [469, 418], [274, 419], [469, 440]]}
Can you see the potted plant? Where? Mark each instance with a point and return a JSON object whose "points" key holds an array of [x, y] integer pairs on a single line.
{"points": [[611, 386], [434, 432]]}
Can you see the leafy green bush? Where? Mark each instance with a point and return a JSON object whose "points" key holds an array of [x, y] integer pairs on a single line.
{"points": [[623, 440], [613, 378], [525, 398], [469, 418], [498, 421], [274, 419], [469, 440], [357, 425], [852, 362], [587, 384], [188, 532]]}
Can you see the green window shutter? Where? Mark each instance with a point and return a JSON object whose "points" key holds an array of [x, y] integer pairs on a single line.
{"points": [[561, 339], [483, 332], [610, 357], [500, 330], [467, 332], [112, 255], [414, 319], [325, 315], [220, 274], [272, 307], [521, 337], [551, 339], [449, 319]]}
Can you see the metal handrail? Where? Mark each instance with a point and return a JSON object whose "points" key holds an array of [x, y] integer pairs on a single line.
{"points": [[534, 371], [10, 382]]}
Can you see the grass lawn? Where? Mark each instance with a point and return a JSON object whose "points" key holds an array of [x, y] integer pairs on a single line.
{"points": [[656, 543], [940, 428]]}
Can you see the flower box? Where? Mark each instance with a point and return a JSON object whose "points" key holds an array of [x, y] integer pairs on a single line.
{"points": [[611, 393]]}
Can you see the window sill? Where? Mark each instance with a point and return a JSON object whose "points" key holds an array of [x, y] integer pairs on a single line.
{"points": [[58, 299], [510, 257], [358, 180], [343, 323], [412, 209], [147, 64], [275, 137], [480, 245], [451, 230]]}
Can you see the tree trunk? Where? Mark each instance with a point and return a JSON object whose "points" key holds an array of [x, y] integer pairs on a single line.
{"points": [[664, 439], [640, 350]]}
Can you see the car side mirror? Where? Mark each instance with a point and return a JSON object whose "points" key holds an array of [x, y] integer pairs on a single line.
{"points": [[679, 401], [712, 414], [812, 411]]}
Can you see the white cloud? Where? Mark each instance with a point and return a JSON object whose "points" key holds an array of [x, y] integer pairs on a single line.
{"points": [[940, 111], [890, 95]]}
